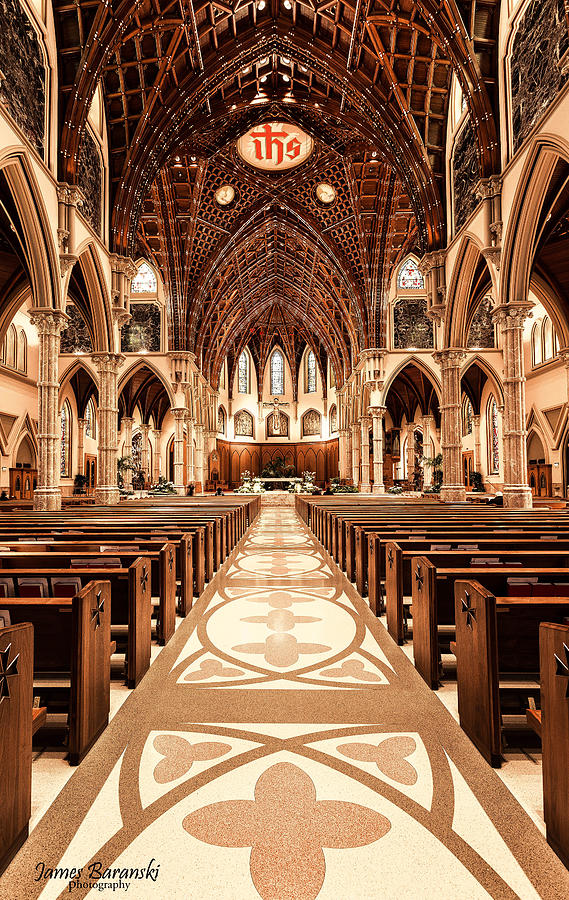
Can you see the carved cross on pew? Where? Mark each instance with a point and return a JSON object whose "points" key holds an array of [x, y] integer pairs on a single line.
{"points": [[98, 610], [562, 668], [419, 578], [170, 559], [390, 558], [7, 670], [143, 579], [468, 609]]}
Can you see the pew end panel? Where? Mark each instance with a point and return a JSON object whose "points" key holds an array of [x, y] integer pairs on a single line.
{"points": [[167, 614], [394, 591], [90, 668], [17, 649], [425, 636], [139, 621], [374, 576], [554, 667], [186, 573], [477, 668]]}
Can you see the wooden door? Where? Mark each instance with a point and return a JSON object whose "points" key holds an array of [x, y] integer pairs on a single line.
{"points": [[468, 468], [90, 472], [23, 483], [544, 480]]}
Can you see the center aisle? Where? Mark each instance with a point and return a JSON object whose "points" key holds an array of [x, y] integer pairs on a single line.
{"points": [[282, 746]]}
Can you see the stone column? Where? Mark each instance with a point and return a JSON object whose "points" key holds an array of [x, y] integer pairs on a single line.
{"points": [[81, 423], [198, 456], [107, 365], [343, 454], [450, 361], [377, 414], [179, 413], [477, 445], [410, 454], [157, 455], [365, 486], [517, 492], [145, 451], [49, 324], [427, 422], [127, 423], [356, 434], [348, 470], [190, 451]]}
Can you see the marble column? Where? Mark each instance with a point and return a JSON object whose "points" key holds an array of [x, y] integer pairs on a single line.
{"points": [[511, 319], [157, 458], [198, 456], [427, 423], [377, 414], [190, 450], [179, 413], [365, 486], [343, 454], [348, 470], [403, 432], [356, 435], [450, 361], [477, 445], [81, 423], [145, 452], [49, 324], [127, 423], [107, 365]]}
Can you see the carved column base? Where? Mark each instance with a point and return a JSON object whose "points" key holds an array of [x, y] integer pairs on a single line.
{"points": [[517, 496], [47, 499], [453, 493], [378, 489], [365, 488], [107, 496]]}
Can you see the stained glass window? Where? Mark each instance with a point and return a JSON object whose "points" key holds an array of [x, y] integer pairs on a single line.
{"points": [[493, 439], [277, 373], [410, 278], [65, 440], [91, 420], [467, 413], [243, 423], [310, 372], [144, 281], [221, 420], [243, 375], [137, 449]]}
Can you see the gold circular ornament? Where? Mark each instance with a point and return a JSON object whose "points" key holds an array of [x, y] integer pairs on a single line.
{"points": [[225, 195], [325, 193]]}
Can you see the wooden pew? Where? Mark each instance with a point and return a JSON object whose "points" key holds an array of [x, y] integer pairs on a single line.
{"points": [[554, 663], [17, 661], [71, 660], [433, 606], [498, 660]]}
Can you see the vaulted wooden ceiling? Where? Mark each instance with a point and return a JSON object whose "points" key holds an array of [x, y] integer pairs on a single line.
{"points": [[369, 80]]}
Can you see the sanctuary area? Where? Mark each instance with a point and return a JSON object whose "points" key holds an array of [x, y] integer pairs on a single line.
{"points": [[284, 449]]}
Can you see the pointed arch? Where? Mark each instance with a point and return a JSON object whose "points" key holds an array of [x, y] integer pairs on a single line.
{"points": [[145, 363], [420, 364], [490, 372], [277, 380], [470, 277]]}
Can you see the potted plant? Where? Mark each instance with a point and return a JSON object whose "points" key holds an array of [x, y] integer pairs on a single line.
{"points": [[436, 464], [80, 484]]}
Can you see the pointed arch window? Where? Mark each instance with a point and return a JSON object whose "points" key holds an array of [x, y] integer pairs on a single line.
{"points": [[277, 373], [65, 469], [333, 419], [91, 420], [144, 281], [243, 373], [221, 420], [22, 352], [310, 373], [493, 438], [467, 414], [410, 278]]}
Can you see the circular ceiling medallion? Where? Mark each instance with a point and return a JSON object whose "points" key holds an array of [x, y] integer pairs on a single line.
{"points": [[325, 193], [275, 146], [225, 195]]}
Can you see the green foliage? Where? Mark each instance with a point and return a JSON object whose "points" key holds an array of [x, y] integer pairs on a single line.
{"points": [[163, 487], [278, 468], [338, 488], [395, 489]]}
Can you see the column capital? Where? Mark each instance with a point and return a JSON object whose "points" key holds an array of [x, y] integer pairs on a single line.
{"points": [[428, 419], [125, 265], [179, 413], [450, 357], [107, 363], [127, 420], [49, 321], [489, 187], [145, 429], [512, 315], [81, 422], [433, 260], [377, 412]]}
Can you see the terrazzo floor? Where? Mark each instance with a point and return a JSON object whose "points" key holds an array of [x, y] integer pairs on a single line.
{"points": [[283, 747]]}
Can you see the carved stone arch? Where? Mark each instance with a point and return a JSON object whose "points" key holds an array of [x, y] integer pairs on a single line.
{"points": [[66, 381], [552, 303], [544, 177], [460, 300], [540, 435], [35, 229], [25, 434], [420, 364], [146, 364], [491, 374]]}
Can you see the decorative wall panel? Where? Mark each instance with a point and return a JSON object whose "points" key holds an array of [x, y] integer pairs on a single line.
{"points": [[466, 175], [90, 180], [76, 338], [411, 326], [536, 79], [310, 456], [143, 330], [22, 72]]}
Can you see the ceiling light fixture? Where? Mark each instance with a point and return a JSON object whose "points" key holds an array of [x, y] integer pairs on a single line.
{"points": [[286, 77], [261, 5], [287, 4], [263, 79]]}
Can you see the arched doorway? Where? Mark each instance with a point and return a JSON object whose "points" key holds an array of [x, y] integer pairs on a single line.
{"points": [[539, 471], [23, 476]]}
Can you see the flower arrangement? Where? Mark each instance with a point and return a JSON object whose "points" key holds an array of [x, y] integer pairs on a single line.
{"points": [[163, 487], [337, 488]]}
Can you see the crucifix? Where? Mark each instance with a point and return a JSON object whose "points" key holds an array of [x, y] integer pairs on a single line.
{"points": [[276, 405]]}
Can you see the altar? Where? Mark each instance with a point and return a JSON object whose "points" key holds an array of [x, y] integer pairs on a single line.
{"points": [[277, 498], [285, 482]]}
